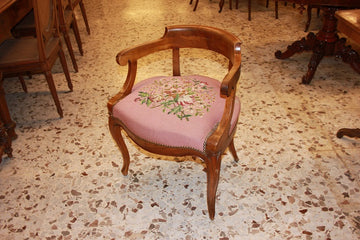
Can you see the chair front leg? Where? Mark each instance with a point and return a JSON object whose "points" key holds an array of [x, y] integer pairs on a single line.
{"points": [[213, 164], [115, 130], [233, 151]]}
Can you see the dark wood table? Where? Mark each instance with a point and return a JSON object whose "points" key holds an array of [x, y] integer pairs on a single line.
{"points": [[349, 24], [326, 42], [5, 140], [11, 12]]}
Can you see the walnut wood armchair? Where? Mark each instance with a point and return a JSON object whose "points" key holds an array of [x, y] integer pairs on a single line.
{"points": [[180, 115]]}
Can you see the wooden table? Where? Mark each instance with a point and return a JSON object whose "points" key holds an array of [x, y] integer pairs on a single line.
{"points": [[11, 12], [326, 42], [349, 24], [5, 4]]}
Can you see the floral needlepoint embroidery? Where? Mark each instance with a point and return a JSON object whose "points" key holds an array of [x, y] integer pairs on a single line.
{"points": [[184, 97]]}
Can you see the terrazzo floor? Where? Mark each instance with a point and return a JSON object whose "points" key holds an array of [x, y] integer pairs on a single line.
{"points": [[294, 180]]}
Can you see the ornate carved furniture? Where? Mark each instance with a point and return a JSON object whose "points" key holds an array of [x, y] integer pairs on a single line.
{"points": [[180, 115], [350, 132], [326, 42], [24, 55], [349, 24]]}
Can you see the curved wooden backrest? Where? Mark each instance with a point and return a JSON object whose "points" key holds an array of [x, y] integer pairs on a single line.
{"points": [[45, 23], [62, 5], [204, 37], [187, 36]]}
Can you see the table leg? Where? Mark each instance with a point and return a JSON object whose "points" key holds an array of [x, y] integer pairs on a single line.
{"points": [[347, 54], [350, 132], [318, 54], [221, 5], [305, 44], [5, 142], [325, 43], [9, 124]]}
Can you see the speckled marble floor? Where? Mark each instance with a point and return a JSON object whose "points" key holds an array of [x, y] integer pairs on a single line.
{"points": [[294, 180]]}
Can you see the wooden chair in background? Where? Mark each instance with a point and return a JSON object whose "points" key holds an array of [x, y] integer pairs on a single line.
{"points": [[180, 115], [67, 20], [20, 56], [74, 4], [196, 4]]}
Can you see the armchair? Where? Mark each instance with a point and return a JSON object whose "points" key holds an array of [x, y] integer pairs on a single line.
{"points": [[180, 115]]}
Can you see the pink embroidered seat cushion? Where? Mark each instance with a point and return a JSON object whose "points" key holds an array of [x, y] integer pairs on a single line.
{"points": [[177, 111]]}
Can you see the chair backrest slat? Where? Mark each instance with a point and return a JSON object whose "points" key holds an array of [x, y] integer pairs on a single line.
{"points": [[203, 37], [45, 23]]}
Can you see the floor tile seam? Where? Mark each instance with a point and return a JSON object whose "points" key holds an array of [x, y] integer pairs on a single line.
{"points": [[331, 184], [343, 162]]}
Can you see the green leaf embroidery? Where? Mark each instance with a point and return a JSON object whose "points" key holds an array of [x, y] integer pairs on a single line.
{"points": [[182, 96]]}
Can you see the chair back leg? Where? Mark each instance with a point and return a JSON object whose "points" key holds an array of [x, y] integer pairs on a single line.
{"points": [[70, 50], [83, 13], [233, 151], [51, 84], [65, 69], [77, 36]]}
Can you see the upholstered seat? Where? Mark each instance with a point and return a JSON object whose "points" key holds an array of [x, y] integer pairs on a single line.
{"points": [[184, 110]]}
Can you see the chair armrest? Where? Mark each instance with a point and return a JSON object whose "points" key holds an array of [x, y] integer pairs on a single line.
{"points": [[137, 52], [126, 88], [130, 56], [229, 82], [219, 139]]}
